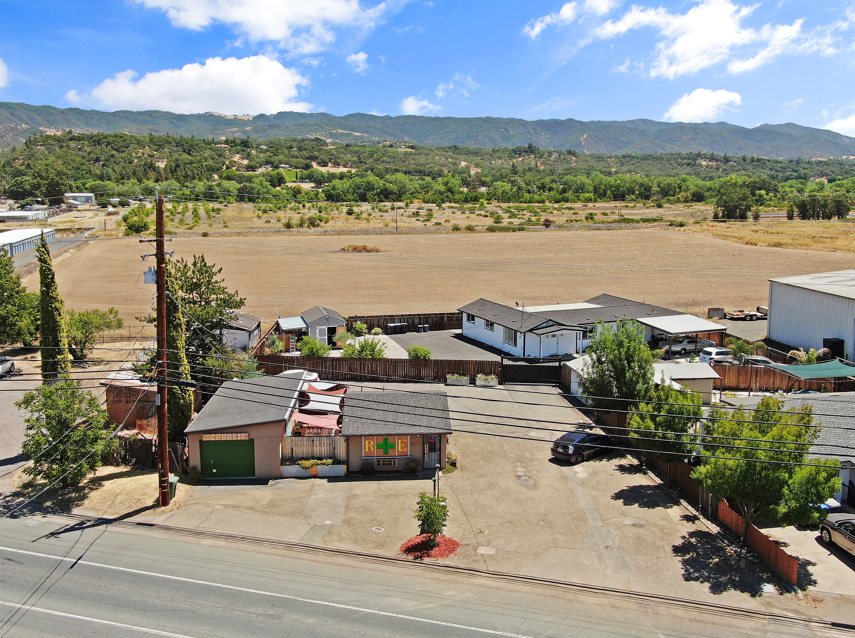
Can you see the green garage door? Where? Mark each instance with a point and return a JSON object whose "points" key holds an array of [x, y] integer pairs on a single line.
{"points": [[227, 459]]}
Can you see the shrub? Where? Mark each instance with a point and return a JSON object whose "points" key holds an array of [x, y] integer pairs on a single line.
{"points": [[470, 228], [367, 468], [354, 248], [492, 228], [376, 331], [274, 344], [411, 466], [365, 349], [432, 513], [341, 338], [486, 377], [205, 233], [418, 352], [456, 227], [308, 464], [360, 329], [547, 223], [311, 347]]}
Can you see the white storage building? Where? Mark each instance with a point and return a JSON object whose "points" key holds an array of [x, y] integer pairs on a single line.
{"points": [[812, 311], [19, 241], [81, 198]]}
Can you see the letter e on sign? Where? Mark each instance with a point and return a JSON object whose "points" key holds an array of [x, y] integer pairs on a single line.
{"points": [[403, 448]]}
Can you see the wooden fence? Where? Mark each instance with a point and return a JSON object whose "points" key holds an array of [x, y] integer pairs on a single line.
{"points": [[346, 369], [766, 548], [761, 378], [436, 321], [314, 447]]}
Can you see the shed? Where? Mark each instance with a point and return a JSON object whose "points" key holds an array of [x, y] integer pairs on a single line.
{"points": [[388, 429], [19, 241], [238, 434], [322, 323], [814, 311], [242, 331], [81, 198]]}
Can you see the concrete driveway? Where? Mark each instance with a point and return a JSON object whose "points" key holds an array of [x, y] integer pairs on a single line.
{"points": [[448, 344]]}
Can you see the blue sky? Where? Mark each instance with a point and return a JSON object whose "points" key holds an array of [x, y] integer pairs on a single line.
{"points": [[697, 60]]}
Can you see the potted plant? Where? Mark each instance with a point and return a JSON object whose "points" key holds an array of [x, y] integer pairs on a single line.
{"points": [[487, 380], [456, 379]]}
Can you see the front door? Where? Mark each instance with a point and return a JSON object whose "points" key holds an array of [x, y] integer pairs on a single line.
{"points": [[322, 334], [431, 452]]}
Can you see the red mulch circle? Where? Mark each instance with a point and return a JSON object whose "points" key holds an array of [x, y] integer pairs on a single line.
{"points": [[417, 547]]}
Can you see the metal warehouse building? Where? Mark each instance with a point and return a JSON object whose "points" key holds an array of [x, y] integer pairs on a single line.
{"points": [[18, 241], [814, 311]]}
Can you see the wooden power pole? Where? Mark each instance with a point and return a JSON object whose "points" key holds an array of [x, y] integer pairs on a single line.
{"points": [[162, 425]]}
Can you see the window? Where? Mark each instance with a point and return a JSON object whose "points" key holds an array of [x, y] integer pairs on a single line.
{"points": [[489, 325], [385, 462], [470, 318], [510, 336], [387, 447]]}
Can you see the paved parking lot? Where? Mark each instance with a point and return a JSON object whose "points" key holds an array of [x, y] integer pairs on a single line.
{"points": [[447, 344]]}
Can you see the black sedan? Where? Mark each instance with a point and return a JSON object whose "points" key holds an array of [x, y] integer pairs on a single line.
{"points": [[578, 446], [840, 530]]}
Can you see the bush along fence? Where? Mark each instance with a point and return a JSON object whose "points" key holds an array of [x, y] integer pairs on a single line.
{"points": [[344, 369], [434, 320]]}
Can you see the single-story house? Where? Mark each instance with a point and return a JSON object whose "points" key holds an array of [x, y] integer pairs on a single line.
{"points": [[390, 428], [238, 434], [243, 330], [836, 412], [688, 375], [566, 329]]}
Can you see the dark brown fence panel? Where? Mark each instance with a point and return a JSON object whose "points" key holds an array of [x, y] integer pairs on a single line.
{"points": [[435, 320], [766, 548], [345, 369]]}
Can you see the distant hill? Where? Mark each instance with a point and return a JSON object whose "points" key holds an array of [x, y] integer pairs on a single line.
{"points": [[19, 121]]}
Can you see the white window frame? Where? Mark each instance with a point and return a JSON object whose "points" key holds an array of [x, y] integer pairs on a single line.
{"points": [[505, 336], [489, 325], [470, 318]]}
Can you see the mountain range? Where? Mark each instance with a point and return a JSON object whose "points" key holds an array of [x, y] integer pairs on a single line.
{"points": [[19, 121]]}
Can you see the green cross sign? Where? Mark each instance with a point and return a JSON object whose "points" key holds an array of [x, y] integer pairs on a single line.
{"points": [[386, 445]]}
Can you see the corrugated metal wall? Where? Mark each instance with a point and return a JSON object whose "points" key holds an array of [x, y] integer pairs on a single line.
{"points": [[803, 318]]}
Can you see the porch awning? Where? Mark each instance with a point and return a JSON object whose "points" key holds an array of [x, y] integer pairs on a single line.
{"points": [[325, 388], [323, 421], [681, 324]]}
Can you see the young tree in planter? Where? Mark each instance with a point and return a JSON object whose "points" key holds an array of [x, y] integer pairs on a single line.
{"points": [[620, 366], [19, 309], [668, 420], [56, 360], [63, 410], [432, 513], [781, 491], [85, 325]]}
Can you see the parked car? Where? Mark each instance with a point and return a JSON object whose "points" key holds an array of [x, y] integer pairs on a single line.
{"points": [[757, 360], [840, 530], [716, 355], [682, 345], [578, 445], [7, 366]]}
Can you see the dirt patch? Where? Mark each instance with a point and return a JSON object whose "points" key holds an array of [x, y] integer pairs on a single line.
{"points": [[418, 547], [115, 491]]}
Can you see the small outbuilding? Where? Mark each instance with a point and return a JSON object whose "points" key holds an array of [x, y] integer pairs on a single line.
{"points": [[391, 428], [322, 323], [80, 198], [242, 331], [19, 241], [814, 311]]}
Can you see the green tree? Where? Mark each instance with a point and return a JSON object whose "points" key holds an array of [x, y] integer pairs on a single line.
{"points": [[85, 325], [366, 348], [19, 313], [432, 513], [65, 414], [734, 201], [311, 347], [759, 474], [418, 352], [741, 349], [179, 396], [666, 426], [56, 360], [620, 366]]}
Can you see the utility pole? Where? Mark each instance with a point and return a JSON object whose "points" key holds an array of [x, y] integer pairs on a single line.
{"points": [[162, 426]]}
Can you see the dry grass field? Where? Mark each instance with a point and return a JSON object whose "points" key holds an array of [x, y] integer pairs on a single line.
{"points": [[288, 273]]}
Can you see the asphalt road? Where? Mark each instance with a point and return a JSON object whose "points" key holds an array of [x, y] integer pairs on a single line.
{"points": [[61, 578]]}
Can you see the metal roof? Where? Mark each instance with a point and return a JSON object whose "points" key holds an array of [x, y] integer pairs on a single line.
{"points": [[683, 371], [14, 236], [388, 413], [249, 402], [291, 323], [827, 370], [840, 283], [681, 324], [319, 312]]}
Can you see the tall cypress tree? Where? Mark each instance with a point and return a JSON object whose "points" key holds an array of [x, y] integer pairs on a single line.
{"points": [[179, 399], [56, 360]]}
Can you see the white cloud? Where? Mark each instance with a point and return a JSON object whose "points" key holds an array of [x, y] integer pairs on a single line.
{"points": [[359, 61], [416, 106], [300, 27], [232, 86], [565, 15], [466, 83], [600, 7], [795, 103], [443, 88], [550, 106], [622, 68], [4, 74], [845, 125], [709, 33], [313, 61], [702, 105]]}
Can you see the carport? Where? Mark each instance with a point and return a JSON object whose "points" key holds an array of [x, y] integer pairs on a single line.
{"points": [[830, 370], [679, 326]]}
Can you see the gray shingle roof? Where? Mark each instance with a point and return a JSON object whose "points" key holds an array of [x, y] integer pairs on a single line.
{"points": [[319, 312], [243, 321], [388, 413], [504, 315], [248, 402], [842, 404]]}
